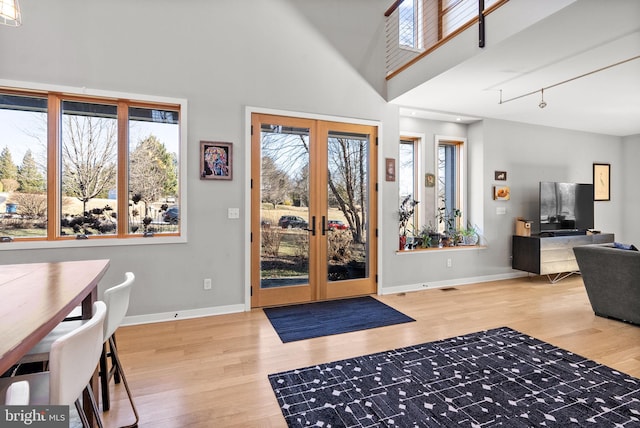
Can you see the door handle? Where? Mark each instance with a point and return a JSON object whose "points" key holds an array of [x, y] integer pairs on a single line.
{"points": [[324, 225], [313, 226]]}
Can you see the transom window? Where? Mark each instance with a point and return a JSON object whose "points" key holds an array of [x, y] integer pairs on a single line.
{"points": [[77, 167]]}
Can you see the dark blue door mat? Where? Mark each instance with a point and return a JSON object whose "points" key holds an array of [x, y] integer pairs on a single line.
{"points": [[308, 320], [498, 377]]}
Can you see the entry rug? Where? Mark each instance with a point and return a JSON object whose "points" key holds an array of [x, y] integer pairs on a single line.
{"points": [[498, 377], [308, 320]]}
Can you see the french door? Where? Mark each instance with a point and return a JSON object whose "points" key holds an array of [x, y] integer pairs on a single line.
{"points": [[313, 210]]}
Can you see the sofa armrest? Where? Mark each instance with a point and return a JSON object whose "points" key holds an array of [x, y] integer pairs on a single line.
{"points": [[611, 277]]}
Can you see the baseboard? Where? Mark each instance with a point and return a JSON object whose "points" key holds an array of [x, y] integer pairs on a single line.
{"points": [[182, 315], [230, 309], [450, 283]]}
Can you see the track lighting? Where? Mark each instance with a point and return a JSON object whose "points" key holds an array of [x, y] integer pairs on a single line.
{"points": [[542, 104]]}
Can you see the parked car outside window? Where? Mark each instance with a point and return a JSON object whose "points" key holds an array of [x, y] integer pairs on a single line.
{"points": [[337, 224], [292, 221], [172, 215]]}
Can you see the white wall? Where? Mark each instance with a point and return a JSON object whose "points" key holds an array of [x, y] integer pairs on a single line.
{"points": [[225, 56], [629, 195]]}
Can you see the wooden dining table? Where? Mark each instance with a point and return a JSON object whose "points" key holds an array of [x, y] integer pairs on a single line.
{"points": [[36, 297]]}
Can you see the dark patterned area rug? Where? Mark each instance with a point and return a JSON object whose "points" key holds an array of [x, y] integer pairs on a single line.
{"points": [[498, 377]]}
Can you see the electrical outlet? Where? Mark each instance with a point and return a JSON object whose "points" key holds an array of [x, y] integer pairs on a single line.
{"points": [[207, 283], [449, 263]]}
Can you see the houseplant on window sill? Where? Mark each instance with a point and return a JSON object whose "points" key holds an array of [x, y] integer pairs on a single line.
{"points": [[405, 214], [430, 237], [450, 220], [469, 235]]}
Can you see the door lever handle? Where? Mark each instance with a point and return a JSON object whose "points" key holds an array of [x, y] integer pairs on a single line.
{"points": [[313, 226]]}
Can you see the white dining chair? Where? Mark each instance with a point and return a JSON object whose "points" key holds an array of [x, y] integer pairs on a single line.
{"points": [[116, 299], [17, 394], [72, 361]]}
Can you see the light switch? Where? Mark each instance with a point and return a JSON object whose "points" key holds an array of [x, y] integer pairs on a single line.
{"points": [[501, 210], [234, 212]]}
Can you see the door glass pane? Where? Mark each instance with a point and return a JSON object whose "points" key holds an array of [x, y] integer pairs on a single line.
{"points": [[348, 206], [154, 139], [89, 157], [23, 166], [284, 206]]}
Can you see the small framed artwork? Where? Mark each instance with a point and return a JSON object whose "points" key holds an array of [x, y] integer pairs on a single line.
{"points": [[390, 169], [429, 180], [216, 160], [501, 193], [500, 175], [601, 182]]}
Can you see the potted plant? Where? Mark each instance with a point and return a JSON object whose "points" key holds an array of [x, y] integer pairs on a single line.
{"points": [[405, 213], [430, 236], [449, 220], [469, 235]]}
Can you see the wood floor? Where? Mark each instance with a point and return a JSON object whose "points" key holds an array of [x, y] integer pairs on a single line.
{"points": [[212, 372]]}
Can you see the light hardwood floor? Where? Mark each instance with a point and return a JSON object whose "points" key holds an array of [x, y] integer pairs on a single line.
{"points": [[212, 372]]}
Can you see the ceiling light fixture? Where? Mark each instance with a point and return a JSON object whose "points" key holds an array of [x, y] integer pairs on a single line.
{"points": [[543, 104], [10, 13]]}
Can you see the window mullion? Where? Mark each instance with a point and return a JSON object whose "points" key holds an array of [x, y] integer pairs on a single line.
{"points": [[123, 170], [54, 205]]}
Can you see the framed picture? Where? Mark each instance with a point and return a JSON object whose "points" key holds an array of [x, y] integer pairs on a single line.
{"points": [[501, 193], [500, 175], [601, 182], [216, 160], [430, 180], [390, 169]]}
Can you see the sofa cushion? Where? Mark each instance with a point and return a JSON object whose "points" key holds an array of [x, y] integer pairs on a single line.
{"points": [[625, 246]]}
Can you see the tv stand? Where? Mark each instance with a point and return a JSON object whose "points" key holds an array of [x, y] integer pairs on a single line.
{"points": [[551, 255], [562, 232]]}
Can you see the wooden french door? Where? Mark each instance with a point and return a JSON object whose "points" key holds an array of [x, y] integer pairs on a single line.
{"points": [[313, 210]]}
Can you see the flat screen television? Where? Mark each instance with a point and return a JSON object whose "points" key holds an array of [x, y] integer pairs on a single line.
{"points": [[566, 207]]}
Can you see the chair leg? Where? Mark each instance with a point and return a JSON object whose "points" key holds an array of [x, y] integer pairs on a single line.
{"points": [[114, 354], [112, 344], [104, 378], [94, 405], [83, 417]]}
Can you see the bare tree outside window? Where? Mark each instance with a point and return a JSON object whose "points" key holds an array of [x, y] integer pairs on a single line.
{"points": [[89, 156]]}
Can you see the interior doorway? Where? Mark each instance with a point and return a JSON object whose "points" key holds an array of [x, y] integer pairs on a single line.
{"points": [[313, 210]]}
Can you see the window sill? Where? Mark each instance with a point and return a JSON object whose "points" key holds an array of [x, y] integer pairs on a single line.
{"points": [[84, 243], [436, 249]]}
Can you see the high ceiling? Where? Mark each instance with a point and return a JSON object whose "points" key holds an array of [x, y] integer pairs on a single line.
{"points": [[578, 40]]}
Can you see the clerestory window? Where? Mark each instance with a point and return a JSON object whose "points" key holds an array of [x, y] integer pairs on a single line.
{"points": [[78, 167]]}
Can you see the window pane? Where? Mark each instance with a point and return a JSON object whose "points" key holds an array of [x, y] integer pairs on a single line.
{"points": [[447, 186], [154, 140], [89, 159], [406, 26], [23, 166], [407, 175]]}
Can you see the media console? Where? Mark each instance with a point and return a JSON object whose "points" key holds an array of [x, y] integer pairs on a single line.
{"points": [[551, 255]]}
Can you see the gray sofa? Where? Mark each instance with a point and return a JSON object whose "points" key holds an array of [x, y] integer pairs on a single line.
{"points": [[612, 279]]}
